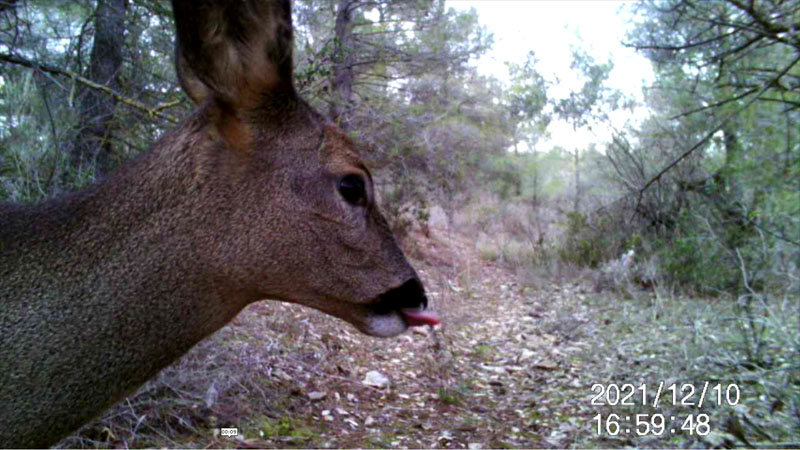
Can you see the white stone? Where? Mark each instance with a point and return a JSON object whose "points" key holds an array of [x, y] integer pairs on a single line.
{"points": [[526, 355], [316, 396], [376, 379]]}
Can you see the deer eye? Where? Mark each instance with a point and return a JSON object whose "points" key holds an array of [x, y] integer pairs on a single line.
{"points": [[352, 189]]}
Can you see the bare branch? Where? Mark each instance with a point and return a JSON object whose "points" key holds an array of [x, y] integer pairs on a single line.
{"points": [[770, 29], [714, 105], [684, 46]]}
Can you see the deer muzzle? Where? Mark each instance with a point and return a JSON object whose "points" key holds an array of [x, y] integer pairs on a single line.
{"points": [[410, 301]]}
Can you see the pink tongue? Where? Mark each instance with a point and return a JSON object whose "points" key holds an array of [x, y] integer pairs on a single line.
{"points": [[416, 318]]}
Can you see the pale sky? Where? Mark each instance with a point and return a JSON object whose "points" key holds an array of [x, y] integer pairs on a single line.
{"points": [[549, 28]]}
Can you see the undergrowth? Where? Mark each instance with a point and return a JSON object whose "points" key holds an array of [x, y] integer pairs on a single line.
{"points": [[689, 342]]}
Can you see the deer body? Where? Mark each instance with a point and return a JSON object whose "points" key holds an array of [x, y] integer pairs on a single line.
{"points": [[254, 196]]}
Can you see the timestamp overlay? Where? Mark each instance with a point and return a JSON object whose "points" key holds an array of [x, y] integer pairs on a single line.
{"points": [[662, 409]]}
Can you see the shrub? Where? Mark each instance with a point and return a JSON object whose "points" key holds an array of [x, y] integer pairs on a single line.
{"points": [[582, 246]]}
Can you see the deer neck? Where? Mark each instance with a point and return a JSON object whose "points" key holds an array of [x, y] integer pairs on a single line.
{"points": [[110, 277]]}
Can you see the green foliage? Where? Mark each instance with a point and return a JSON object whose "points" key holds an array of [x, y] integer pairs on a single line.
{"points": [[284, 427], [450, 396], [526, 100], [724, 219], [684, 261], [581, 107], [581, 246], [28, 165], [40, 110], [505, 173], [635, 242]]}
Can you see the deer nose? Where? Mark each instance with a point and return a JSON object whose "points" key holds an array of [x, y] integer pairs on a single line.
{"points": [[408, 295]]}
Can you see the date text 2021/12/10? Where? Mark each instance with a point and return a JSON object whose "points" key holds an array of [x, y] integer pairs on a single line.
{"points": [[676, 394]]}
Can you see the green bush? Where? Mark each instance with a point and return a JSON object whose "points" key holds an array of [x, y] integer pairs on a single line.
{"points": [[584, 246], [694, 258]]}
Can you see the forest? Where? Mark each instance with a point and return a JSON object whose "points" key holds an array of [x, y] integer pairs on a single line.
{"points": [[665, 255]]}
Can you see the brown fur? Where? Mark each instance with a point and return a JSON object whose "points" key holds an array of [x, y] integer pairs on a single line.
{"points": [[101, 289]]}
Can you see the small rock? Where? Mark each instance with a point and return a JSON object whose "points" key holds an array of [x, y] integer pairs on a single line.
{"points": [[446, 435], [316, 396], [546, 365], [494, 369], [474, 446], [375, 379], [369, 421], [423, 330], [283, 375], [211, 396], [526, 355]]}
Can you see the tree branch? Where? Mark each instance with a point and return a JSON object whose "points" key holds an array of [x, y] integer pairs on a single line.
{"points": [[714, 105], [772, 30], [155, 111], [684, 46]]}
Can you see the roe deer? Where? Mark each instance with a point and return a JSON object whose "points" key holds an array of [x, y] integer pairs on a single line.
{"points": [[254, 196]]}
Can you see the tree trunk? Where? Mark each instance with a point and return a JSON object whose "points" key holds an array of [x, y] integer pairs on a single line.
{"points": [[577, 203], [733, 158], [93, 145], [342, 71]]}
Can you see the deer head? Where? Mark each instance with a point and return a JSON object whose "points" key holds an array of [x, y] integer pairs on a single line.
{"points": [[305, 227]]}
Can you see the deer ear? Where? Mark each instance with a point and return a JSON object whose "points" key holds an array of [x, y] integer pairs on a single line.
{"points": [[239, 51]]}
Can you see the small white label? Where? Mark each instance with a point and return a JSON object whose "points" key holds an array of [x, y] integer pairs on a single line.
{"points": [[230, 432]]}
